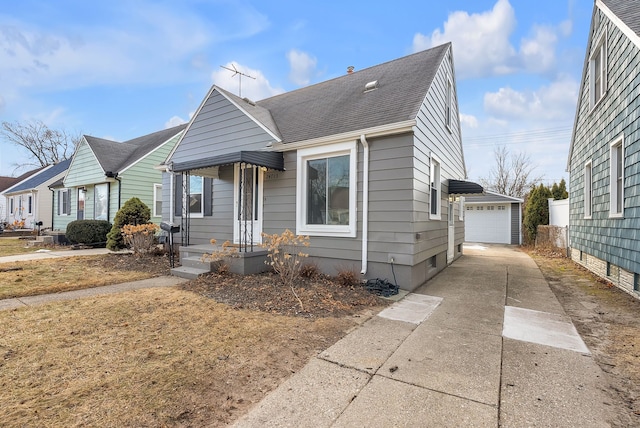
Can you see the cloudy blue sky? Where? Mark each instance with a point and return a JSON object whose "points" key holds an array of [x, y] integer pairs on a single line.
{"points": [[119, 69]]}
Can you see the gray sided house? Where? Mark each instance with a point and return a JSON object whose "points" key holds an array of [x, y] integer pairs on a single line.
{"points": [[493, 218], [604, 158], [105, 174], [30, 201], [369, 165]]}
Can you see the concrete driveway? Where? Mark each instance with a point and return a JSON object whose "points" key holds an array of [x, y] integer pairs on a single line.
{"points": [[485, 343]]}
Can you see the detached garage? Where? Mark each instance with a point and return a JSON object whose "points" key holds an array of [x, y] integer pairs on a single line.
{"points": [[493, 218]]}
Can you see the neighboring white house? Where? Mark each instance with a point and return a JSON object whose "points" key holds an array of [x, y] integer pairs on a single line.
{"points": [[30, 201], [493, 218]]}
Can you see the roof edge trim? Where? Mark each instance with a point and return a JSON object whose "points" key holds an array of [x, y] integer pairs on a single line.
{"points": [[619, 23], [377, 131]]}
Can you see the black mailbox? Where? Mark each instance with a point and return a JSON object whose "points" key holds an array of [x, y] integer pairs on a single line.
{"points": [[168, 227]]}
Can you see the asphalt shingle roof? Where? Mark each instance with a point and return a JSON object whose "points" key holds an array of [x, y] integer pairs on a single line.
{"points": [[341, 105], [628, 11], [41, 177], [115, 157]]}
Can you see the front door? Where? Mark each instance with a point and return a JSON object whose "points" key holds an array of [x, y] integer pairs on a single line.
{"points": [[247, 212], [451, 234]]}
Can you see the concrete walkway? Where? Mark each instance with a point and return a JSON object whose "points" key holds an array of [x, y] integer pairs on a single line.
{"points": [[161, 281], [483, 344]]}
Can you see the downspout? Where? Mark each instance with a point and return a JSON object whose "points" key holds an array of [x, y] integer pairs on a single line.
{"points": [[172, 200], [365, 203], [119, 180]]}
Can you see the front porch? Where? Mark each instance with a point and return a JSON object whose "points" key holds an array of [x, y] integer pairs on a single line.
{"points": [[242, 262]]}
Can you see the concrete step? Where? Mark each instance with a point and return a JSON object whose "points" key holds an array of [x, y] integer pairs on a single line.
{"points": [[188, 272], [197, 262]]}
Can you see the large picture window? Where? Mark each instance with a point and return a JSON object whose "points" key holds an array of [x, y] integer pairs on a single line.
{"points": [[616, 175], [326, 190]]}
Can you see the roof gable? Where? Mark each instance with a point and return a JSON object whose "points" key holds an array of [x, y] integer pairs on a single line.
{"points": [[114, 157], [625, 14]]}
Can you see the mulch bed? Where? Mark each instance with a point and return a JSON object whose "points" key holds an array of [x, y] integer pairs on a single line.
{"points": [[321, 296]]}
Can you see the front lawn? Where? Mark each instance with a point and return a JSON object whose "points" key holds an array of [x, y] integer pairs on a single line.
{"points": [[154, 357], [74, 273]]}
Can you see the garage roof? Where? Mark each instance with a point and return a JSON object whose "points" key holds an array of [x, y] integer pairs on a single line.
{"points": [[491, 197]]}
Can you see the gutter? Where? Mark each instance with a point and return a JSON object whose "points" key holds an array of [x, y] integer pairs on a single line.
{"points": [[365, 203]]}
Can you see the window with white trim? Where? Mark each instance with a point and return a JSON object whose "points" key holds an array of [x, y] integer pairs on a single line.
{"points": [[11, 206], [616, 177], [588, 186], [598, 71], [157, 200], [30, 204], [448, 104], [196, 186], [101, 201], [326, 190], [436, 185], [64, 202]]}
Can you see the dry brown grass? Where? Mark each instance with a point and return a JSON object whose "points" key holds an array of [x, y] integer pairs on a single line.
{"points": [[14, 246], [74, 273], [156, 357]]}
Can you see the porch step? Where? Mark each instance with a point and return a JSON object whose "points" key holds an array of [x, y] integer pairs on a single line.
{"points": [[197, 262], [188, 272], [41, 241]]}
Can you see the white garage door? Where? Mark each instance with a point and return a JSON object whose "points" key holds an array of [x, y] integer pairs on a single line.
{"points": [[489, 223]]}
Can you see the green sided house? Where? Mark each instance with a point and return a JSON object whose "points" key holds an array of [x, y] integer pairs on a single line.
{"points": [[604, 157], [369, 165], [104, 174]]}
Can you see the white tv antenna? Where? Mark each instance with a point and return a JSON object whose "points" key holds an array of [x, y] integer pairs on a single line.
{"points": [[239, 74]]}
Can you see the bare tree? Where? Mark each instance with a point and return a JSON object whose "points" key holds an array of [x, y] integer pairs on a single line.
{"points": [[46, 146], [512, 174]]}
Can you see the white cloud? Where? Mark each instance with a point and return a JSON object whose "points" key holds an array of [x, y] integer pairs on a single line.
{"points": [[174, 121], [555, 101], [468, 120], [480, 41], [302, 66], [537, 53], [144, 40], [256, 87], [481, 44]]}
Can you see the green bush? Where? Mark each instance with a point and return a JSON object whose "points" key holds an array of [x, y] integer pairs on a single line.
{"points": [[87, 231], [133, 212]]}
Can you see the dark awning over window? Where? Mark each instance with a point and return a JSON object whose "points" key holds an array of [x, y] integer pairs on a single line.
{"points": [[461, 187], [271, 160]]}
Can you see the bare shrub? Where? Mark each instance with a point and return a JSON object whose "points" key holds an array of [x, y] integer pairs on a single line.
{"points": [[348, 276], [140, 238], [309, 270], [285, 256]]}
